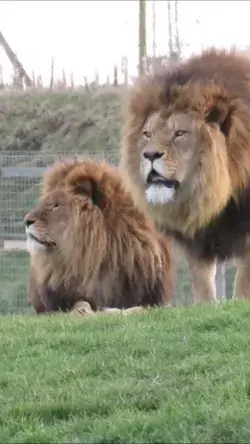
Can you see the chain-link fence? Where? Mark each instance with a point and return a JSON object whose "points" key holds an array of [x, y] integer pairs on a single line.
{"points": [[20, 174]]}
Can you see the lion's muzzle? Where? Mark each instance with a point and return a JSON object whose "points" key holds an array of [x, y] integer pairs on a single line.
{"points": [[34, 241], [155, 178]]}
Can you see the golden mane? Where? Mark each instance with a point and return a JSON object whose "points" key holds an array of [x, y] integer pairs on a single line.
{"points": [[214, 84], [107, 252]]}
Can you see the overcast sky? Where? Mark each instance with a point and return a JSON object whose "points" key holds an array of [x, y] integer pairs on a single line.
{"points": [[87, 35]]}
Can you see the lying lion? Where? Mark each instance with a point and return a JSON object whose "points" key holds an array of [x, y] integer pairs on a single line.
{"points": [[90, 248]]}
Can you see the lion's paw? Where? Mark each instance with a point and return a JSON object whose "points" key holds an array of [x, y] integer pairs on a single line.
{"points": [[82, 308], [136, 309], [111, 310]]}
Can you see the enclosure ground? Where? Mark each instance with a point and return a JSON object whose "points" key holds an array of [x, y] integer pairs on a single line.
{"points": [[165, 376]]}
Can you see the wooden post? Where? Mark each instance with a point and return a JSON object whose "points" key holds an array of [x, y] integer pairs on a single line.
{"points": [[170, 33], [142, 36], [115, 81], [177, 38], [124, 69], [97, 78], [154, 29], [18, 67], [64, 80], [51, 84]]}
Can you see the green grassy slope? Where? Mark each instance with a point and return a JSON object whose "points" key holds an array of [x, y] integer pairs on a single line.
{"points": [[61, 122], [167, 376]]}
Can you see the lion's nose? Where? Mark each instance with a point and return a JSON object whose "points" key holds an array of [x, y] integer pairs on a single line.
{"points": [[28, 221], [152, 155]]}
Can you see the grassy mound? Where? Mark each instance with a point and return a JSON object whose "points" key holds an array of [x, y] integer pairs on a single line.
{"points": [[165, 376], [60, 122]]}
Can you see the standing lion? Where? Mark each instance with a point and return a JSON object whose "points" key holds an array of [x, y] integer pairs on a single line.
{"points": [[186, 156], [90, 247]]}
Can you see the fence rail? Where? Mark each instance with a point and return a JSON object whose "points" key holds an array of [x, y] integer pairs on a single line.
{"points": [[20, 174]]}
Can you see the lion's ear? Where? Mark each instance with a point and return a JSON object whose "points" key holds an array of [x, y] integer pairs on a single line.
{"points": [[84, 187], [218, 114], [89, 188], [174, 92]]}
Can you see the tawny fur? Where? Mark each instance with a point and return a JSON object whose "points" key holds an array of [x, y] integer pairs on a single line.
{"points": [[107, 253], [211, 217]]}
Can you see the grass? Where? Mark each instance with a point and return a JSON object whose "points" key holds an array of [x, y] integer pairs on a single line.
{"points": [[165, 376], [13, 282], [60, 121]]}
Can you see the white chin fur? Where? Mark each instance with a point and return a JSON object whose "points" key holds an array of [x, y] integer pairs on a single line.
{"points": [[34, 247], [158, 194]]}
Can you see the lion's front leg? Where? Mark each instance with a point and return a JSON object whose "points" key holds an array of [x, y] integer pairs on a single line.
{"points": [[242, 278], [203, 280]]}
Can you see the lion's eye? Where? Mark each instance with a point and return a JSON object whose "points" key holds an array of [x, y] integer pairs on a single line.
{"points": [[55, 206], [147, 135], [179, 133]]}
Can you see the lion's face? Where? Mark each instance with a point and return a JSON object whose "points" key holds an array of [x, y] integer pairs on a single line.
{"points": [[58, 216], [46, 225], [168, 155], [177, 163]]}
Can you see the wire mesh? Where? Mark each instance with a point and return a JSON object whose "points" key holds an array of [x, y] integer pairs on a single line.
{"points": [[20, 174]]}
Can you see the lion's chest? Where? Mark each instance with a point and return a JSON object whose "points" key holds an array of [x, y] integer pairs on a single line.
{"points": [[225, 236]]}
